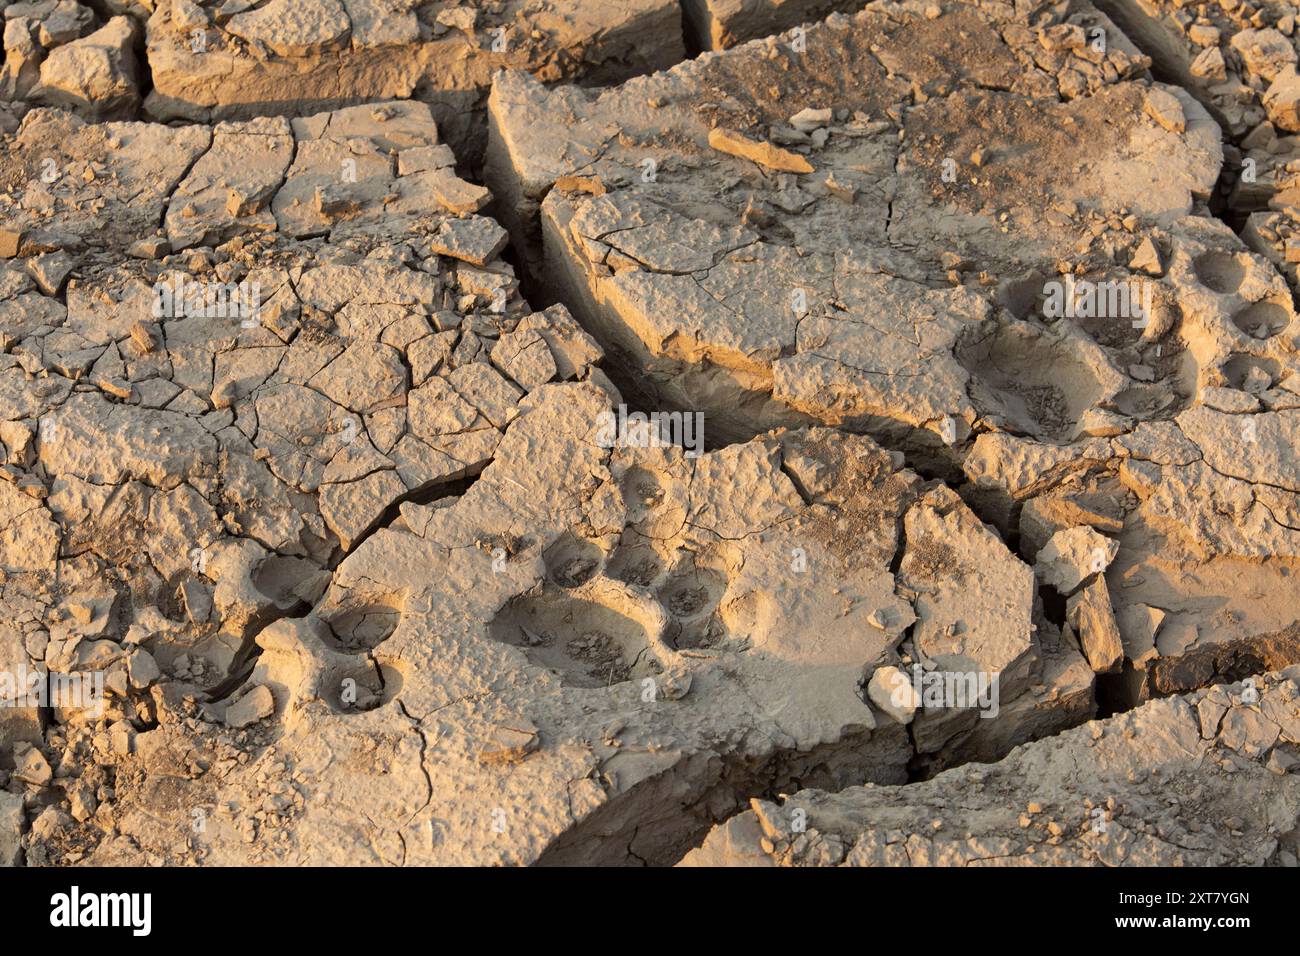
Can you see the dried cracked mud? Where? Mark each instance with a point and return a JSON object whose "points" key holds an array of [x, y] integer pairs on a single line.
{"points": [[568, 432]]}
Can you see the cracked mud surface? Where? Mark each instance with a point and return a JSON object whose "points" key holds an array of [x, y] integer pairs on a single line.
{"points": [[500, 433]]}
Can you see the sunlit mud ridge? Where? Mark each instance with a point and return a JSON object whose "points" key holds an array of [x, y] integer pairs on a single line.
{"points": [[433, 436], [1201, 780]]}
